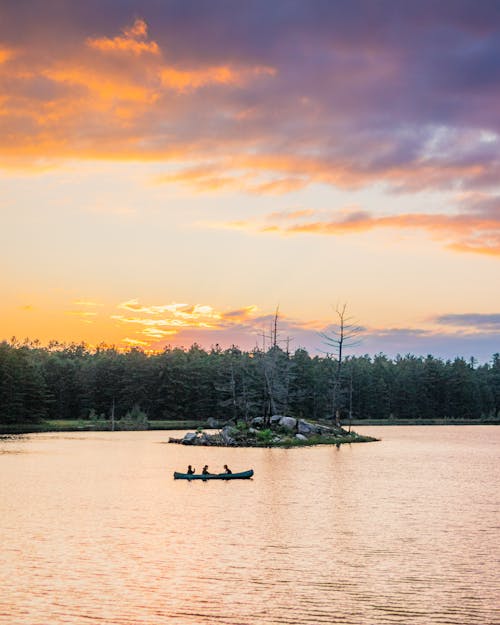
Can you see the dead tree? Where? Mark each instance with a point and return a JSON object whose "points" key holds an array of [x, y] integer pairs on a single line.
{"points": [[277, 371], [343, 334]]}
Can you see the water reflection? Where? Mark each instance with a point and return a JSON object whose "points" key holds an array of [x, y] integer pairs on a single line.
{"points": [[403, 531]]}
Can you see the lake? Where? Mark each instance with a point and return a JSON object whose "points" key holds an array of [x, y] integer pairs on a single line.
{"points": [[95, 531]]}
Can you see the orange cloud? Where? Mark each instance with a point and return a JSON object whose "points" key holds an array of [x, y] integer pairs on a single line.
{"points": [[138, 29], [105, 86], [184, 81], [131, 41], [279, 216], [90, 103], [289, 171], [148, 322], [240, 314], [156, 333], [465, 232], [160, 320], [190, 80], [135, 342], [183, 311], [205, 178], [279, 186]]}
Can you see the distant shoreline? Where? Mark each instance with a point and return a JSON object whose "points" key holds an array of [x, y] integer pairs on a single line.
{"points": [[83, 425], [423, 422]]}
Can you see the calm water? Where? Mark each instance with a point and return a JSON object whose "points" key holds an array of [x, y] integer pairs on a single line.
{"points": [[95, 531]]}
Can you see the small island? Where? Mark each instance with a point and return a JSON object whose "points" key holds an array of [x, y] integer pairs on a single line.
{"points": [[278, 431]]}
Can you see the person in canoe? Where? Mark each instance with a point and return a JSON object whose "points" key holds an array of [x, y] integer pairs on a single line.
{"points": [[227, 470], [205, 470], [190, 470]]}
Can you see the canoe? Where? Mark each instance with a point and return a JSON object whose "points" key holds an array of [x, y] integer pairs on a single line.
{"points": [[213, 476]]}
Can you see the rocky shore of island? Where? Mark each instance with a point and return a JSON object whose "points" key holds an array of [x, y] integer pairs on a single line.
{"points": [[278, 431]]}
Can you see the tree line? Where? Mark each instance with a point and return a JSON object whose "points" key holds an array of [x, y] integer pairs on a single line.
{"points": [[74, 381]]}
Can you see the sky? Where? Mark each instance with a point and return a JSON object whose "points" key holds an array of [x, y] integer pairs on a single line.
{"points": [[175, 171]]}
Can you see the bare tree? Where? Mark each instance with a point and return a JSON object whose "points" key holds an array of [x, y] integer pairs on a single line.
{"points": [[276, 367], [274, 330], [343, 334]]}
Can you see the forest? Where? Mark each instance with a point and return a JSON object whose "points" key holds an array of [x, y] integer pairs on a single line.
{"points": [[72, 381]]}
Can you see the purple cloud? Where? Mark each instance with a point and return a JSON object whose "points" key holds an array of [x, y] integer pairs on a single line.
{"points": [[472, 321]]}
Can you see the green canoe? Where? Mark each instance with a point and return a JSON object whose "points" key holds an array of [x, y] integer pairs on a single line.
{"points": [[213, 476]]}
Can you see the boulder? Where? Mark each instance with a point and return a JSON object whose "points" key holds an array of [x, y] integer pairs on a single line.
{"points": [[289, 423], [227, 435], [275, 419], [258, 421], [301, 437], [304, 427], [203, 439], [189, 438]]}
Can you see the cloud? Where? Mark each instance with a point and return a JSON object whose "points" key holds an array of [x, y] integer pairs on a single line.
{"points": [[268, 99], [184, 81], [135, 342], [111, 98], [208, 178], [472, 322], [131, 41], [239, 314], [475, 229], [83, 312], [175, 311], [177, 320]]}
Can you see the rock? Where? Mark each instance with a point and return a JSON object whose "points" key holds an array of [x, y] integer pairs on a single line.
{"points": [[189, 438], [323, 429], [212, 423], [226, 435], [258, 421], [301, 437], [289, 423], [304, 427], [275, 419]]}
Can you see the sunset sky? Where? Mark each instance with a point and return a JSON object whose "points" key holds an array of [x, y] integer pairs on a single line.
{"points": [[172, 171]]}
